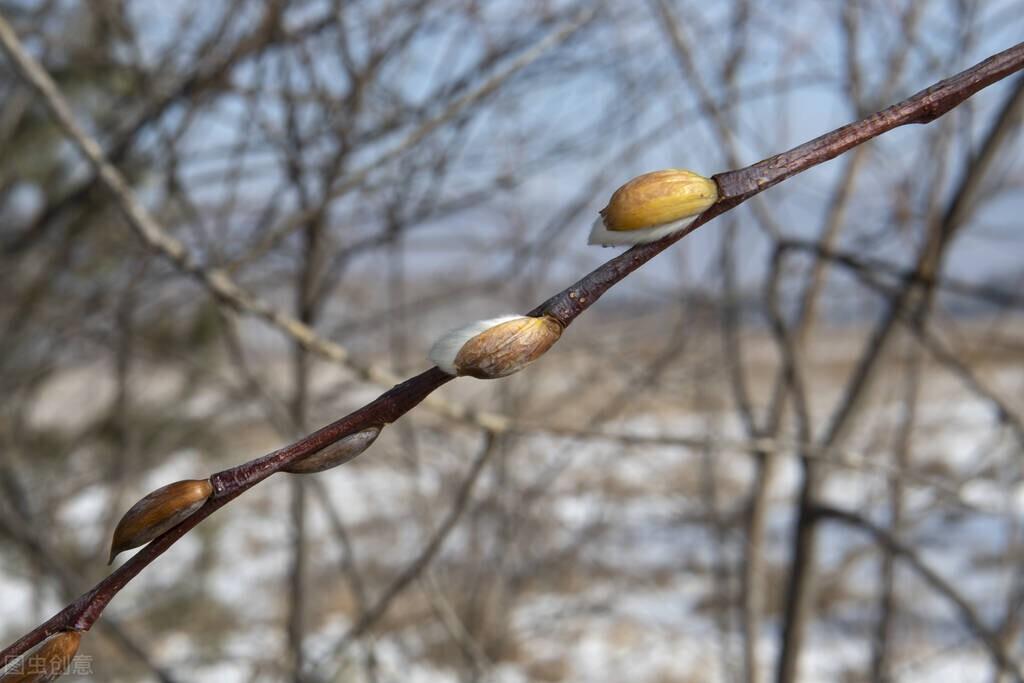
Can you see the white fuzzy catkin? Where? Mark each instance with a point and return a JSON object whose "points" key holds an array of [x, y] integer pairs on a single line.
{"points": [[443, 352], [600, 234]]}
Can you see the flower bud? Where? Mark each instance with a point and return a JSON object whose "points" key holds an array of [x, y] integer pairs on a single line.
{"points": [[489, 349], [652, 206], [338, 453], [46, 662], [158, 512]]}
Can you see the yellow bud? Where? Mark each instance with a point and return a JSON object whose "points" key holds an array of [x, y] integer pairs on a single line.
{"points": [[338, 453], [489, 349], [652, 206], [47, 662], [159, 511]]}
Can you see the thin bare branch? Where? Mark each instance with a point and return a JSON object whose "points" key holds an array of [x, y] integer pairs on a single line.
{"points": [[735, 188]]}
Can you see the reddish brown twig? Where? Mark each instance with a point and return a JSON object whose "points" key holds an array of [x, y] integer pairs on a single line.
{"points": [[735, 187]]}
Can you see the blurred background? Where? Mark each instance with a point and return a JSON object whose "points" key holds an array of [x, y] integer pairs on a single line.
{"points": [[788, 449]]}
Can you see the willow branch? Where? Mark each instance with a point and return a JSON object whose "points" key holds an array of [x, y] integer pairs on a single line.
{"points": [[735, 187]]}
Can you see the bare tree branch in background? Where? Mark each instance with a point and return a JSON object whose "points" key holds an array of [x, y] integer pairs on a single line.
{"points": [[321, 188]]}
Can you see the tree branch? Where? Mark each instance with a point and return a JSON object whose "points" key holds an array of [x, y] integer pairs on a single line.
{"points": [[735, 187]]}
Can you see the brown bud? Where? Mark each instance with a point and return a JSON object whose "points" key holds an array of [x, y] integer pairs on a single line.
{"points": [[338, 453], [47, 662], [489, 349], [158, 512]]}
